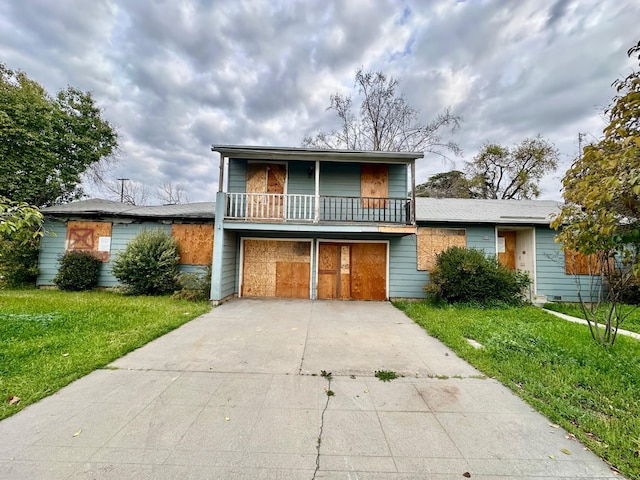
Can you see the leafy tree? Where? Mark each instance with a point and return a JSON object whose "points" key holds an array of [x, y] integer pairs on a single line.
{"points": [[511, 173], [47, 143], [601, 216], [453, 184], [384, 121]]}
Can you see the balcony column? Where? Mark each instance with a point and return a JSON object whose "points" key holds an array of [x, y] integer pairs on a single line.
{"points": [[316, 217], [217, 275], [413, 192]]}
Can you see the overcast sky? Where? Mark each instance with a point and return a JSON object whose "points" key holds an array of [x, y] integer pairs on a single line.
{"points": [[175, 76]]}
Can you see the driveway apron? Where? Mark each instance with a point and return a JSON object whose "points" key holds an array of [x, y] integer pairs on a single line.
{"points": [[243, 392]]}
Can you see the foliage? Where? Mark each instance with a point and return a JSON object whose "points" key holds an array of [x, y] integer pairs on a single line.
{"points": [[49, 338], [468, 276], [78, 270], [194, 286], [384, 121], [552, 364], [149, 264], [601, 216], [511, 173], [385, 375], [453, 184], [47, 143]]}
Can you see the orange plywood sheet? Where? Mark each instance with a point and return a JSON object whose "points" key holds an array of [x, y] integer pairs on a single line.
{"points": [[368, 271], [276, 178], [328, 270], [508, 257], [292, 279], [86, 236], [431, 241], [374, 182], [195, 241], [576, 263]]}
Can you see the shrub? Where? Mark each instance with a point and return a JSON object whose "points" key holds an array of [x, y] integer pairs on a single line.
{"points": [[78, 271], [194, 286], [149, 264], [18, 262], [468, 276]]}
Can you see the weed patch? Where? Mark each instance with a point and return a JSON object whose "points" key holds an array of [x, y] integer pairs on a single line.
{"points": [[386, 375]]}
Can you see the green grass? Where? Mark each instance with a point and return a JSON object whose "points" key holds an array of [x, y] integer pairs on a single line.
{"points": [[631, 322], [554, 365], [49, 338]]}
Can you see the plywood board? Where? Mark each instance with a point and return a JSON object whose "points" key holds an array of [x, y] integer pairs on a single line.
{"points": [[85, 236], [328, 270], [276, 178], [374, 182], [368, 271], [431, 241], [195, 241], [576, 263], [508, 257], [292, 279]]}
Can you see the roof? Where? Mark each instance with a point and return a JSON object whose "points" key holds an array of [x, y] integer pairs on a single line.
{"points": [[98, 206], [325, 154], [468, 210]]}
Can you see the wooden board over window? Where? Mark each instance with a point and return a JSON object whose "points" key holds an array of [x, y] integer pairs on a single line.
{"points": [[576, 263], [89, 237], [432, 241], [374, 182], [195, 241]]}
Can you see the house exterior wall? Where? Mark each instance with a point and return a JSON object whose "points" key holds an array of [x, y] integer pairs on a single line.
{"points": [[230, 263]]}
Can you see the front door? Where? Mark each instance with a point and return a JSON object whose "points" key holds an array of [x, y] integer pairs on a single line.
{"points": [[352, 271], [269, 179]]}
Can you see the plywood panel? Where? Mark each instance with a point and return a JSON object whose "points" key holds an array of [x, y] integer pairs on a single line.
{"points": [[508, 257], [276, 178], [374, 182], [256, 178], [576, 263], [328, 268], [85, 236], [431, 241], [368, 271], [195, 241], [292, 279]]}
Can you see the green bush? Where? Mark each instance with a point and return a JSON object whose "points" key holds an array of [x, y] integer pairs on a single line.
{"points": [[149, 264], [194, 286], [78, 271], [18, 262], [468, 276]]}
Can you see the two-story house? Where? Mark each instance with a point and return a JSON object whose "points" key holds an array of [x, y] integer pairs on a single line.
{"points": [[309, 223]]}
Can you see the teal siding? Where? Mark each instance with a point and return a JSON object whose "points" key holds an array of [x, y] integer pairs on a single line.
{"points": [[340, 179], [398, 187], [52, 246], [481, 237], [229, 264], [298, 180], [237, 175], [405, 281]]}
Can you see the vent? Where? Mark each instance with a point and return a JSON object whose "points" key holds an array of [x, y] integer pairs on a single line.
{"points": [[556, 298]]}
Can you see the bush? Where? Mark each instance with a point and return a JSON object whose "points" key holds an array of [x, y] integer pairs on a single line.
{"points": [[194, 286], [78, 271], [18, 262], [149, 264], [467, 276]]}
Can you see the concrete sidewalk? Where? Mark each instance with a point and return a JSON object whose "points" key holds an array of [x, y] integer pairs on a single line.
{"points": [[237, 393]]}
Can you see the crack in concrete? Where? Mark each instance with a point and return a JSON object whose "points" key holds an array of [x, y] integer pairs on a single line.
{"points": [[326, 405]]}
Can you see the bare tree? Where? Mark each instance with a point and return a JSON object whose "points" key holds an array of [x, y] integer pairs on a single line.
{"points": [[384, 121], [126, 191], [172, 193]]}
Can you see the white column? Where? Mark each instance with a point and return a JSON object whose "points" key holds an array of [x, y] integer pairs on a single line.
{"points": [[317, 212]]}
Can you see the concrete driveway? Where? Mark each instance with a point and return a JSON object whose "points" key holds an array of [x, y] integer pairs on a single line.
{"points": [[237, 393]]}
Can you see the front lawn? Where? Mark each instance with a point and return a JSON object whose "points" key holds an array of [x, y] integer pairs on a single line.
{"points": [[631, 323], [555, 366], [49, 338]]}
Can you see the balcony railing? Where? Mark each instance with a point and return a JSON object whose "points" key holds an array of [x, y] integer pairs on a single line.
{"points": [[302, 208]]}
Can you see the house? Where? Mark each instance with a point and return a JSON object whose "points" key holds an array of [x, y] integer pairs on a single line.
{"points": [[322, 224]]}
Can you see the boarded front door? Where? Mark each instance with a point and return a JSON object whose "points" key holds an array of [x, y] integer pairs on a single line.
{"points": [[266, 178], [508, 256], [276, 268], [356, 271]]}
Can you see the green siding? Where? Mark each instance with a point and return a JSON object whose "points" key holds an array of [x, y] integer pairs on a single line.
{"points": [[398, 187], [237, 175], [229, 264], [340, 179], [298, 180], [405, 281], [52, 246]]}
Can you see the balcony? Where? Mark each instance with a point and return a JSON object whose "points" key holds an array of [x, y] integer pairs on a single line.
{"points": [[271, 207]]}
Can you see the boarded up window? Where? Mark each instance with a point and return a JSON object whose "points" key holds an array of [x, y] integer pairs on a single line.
{"points": [[432, 241], [374, 185], [90, 237], [576, 263], [195, 241]]}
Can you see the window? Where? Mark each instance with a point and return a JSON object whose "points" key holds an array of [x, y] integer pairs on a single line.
{"points": [[432, 241], [90, 237], [374, 185]]}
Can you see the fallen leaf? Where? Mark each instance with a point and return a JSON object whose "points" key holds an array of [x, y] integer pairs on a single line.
{"points": [[77, 433], [466, 475], [553, 425], [565, 451], [65, 354], [366, 390], [226, 419], [552, 457], [13, 400]]}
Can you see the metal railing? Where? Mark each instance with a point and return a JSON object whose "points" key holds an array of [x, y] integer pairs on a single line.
{"points": [[302, 208]]}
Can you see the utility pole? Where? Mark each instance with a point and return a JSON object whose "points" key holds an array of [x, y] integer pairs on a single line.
{"points": [[122, 180], [580, 137]]}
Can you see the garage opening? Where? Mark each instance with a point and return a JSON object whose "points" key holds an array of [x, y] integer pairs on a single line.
{"points": [[352, 271], [276, 268]]}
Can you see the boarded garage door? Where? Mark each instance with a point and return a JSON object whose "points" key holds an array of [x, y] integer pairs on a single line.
{"points": [[276, 268], [355, 271]]}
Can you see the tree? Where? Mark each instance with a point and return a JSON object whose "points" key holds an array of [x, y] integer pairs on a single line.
{"points": [[126, 191], [511, 173], [384, 121], [453, 184], [171, 193], [47, 143], [601, 216]]}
